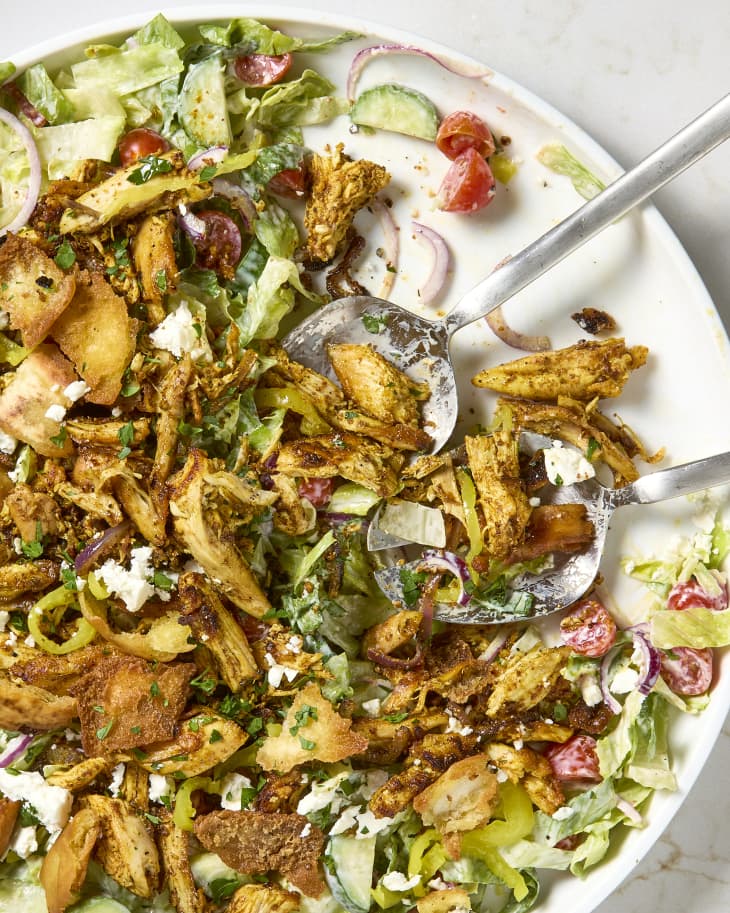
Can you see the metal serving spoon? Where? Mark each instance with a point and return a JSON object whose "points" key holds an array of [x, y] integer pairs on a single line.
{"points": [[572, 575], [421, 346]]}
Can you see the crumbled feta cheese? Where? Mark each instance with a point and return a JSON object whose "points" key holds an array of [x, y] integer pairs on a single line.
{"points": [[534, 502], [346, 821], [178, 334], [372, 708], [76, 389], [277, 672], [295, 643], [565, 811], [501, 776], [518, 744], [457, 726], [624, 681], [4, 618], [52, 804], [232, 786], [56, 412], [323, 794], [29, 641], [24, 842], [565, 466], [160, 787], [590, 689], [116, 780], [397, 881], [438, 884], [306, 830], [132, 586], [72, 735], [7, 443]]}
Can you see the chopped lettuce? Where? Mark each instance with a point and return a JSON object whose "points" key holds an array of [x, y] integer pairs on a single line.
{"points": [[559, 159], [159, 31], [39, 89], [253, 37], [62, 147], [128, 70], [613, 748], [7, 71], [696, 627], [299, 102]]}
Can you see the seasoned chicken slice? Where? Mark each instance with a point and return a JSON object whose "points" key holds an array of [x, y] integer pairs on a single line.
{"points": [[64, 866], [118, 198], [376, 386], [326, 396], [34, 392], [125, 850], [125, 702], [397, 436], [205, 740], [532, 771], [339, 189], [463, 798], [185, 895], [153, 253], [340, 454], [555, 528], [263, 898], [9, 811], [526, 680], [587, 369], [494, 464], [97, 334], [311, 731], [17, 579], [257, 842], [33, 290], [33, 512], [21, 704]]}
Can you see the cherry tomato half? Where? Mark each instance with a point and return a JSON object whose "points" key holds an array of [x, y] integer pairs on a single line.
{"points": [[140, 142], [463, 130], [575, 759], [690, 594], [588, 629], [468, 185], [262, 69], [220, 248], [687, 671], [317, 491], [290, 182]]}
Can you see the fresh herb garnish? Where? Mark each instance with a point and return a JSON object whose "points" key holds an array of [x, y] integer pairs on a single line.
{"points": [[65, 255], [149, 166]]}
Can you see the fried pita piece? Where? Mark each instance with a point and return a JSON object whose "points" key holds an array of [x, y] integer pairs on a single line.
{"points": [[494, 463], [17, 579], [263, 898], [340, 454], [64, 866], [526, 680], [217, 629], [583, 371], [98, 335], [153, 253], [376, 386], [185, 895], [555, 528], [9, 811], [125, 702], [311, 731], [24, 705], [125, 850], [532, 771], [340, 188], [33, 290], [37, 384], [463, 798], [256, 842]]}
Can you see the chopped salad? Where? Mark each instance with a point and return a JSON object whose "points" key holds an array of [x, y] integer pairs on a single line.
{"points": [[206, 701]]}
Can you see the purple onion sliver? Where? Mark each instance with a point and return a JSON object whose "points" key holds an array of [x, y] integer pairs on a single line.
{"points": [[193, 226], [35, 177], [236, 195], [212, 156], [451, 564], [13, 752], [501, 329], [377, 50], [494, 648], [608, 699], [631, 812], [441, 262], [650, 662], [99, 547]]}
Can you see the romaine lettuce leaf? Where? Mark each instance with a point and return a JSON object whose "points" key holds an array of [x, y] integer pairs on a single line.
{"points": [[255, 37], [159, 31], [270, 298], [613, 748], [559, 159], [38, 88], [128, 70], [694, 627], [299, 102], [587, 808], [63, 146]]}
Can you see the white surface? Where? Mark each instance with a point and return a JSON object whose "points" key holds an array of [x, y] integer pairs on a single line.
{"points": [[630, 74]]}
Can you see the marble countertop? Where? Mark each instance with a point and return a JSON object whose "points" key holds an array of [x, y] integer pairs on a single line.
{"points": [[630, 73]]}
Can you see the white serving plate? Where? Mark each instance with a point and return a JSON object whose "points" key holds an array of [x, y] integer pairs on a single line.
{"points": [[636, 270]]}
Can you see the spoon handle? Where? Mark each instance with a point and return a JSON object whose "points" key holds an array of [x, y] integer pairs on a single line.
{"points": [[678, 480], [661, 166]]}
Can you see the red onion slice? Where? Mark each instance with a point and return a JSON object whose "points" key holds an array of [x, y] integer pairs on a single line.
{"points": [[441, 262], [15, 749], [501, 329], [212, 156], [34, 180], [391, 244], [495, 647], [236, 195], [651, 661], [190, 223], [452, 564], [395, 662], [631, 812], [99, 547], [470, 71], [608, 699]]}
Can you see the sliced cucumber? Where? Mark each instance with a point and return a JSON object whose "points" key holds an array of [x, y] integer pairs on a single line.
{"points": [[352, 860], [202, 104], [398, 108]]}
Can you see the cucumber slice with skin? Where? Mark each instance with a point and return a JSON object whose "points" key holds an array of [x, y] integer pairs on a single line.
{"points": [[202, 104], [353, 860], [401, 109]]}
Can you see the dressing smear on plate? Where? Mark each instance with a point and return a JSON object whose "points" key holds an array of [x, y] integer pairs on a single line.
{"points": [[206, 703]]}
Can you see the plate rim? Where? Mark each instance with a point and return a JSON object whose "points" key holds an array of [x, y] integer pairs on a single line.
{"points": [[609, 875]]}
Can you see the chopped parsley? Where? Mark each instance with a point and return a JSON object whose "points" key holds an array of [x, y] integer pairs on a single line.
{"points": [[149, 167], [126, 439], [65, 255]]}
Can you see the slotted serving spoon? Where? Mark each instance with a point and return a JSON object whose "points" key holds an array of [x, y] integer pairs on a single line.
{"points": [[421, 346], [573, 575]]}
